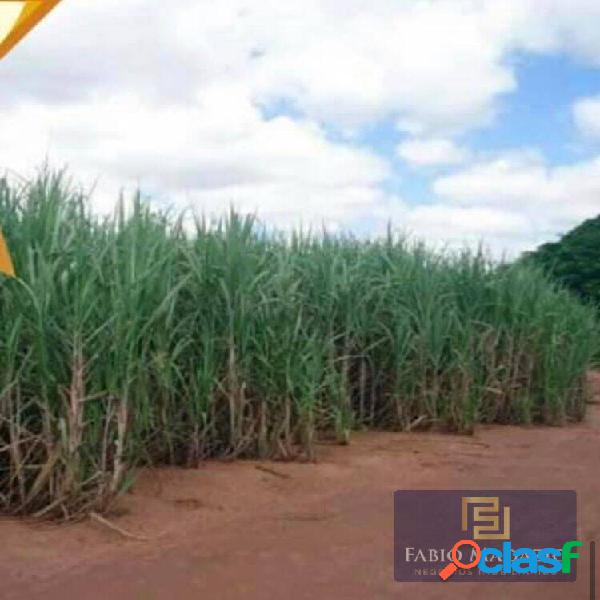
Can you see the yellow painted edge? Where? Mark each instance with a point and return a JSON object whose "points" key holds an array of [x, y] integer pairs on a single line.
{"points": [[32, 14], [6, 264]]}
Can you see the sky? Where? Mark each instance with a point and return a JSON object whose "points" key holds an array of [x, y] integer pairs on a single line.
{"points": [[459, 121]]}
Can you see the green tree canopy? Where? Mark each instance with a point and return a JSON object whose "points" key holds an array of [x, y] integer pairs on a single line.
{"points": [[574, 260]]}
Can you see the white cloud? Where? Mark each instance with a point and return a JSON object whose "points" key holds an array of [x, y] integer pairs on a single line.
{"points": [[546, 200], [176, 96], [218, 151], [431, 152], [457, 226], [507, 181], [586, 113], [433, 66], [451, 226]]}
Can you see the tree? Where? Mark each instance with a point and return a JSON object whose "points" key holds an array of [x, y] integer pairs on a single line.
{"points": [[574, 260]]}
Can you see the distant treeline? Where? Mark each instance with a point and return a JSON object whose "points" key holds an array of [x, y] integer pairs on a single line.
{"points": [[574, 260]]}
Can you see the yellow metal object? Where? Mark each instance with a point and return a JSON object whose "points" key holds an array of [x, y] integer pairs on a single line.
{"points": [[6, 264], [18, 18]]}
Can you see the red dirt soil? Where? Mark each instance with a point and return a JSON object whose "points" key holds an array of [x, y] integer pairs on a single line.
{"points": [[250, 530]]}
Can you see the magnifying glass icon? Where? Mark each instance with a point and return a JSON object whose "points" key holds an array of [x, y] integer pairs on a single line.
{"points": [[456, 564]]}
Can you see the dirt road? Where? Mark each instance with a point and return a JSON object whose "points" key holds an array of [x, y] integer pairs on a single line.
{"points": [[270, 531]]}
